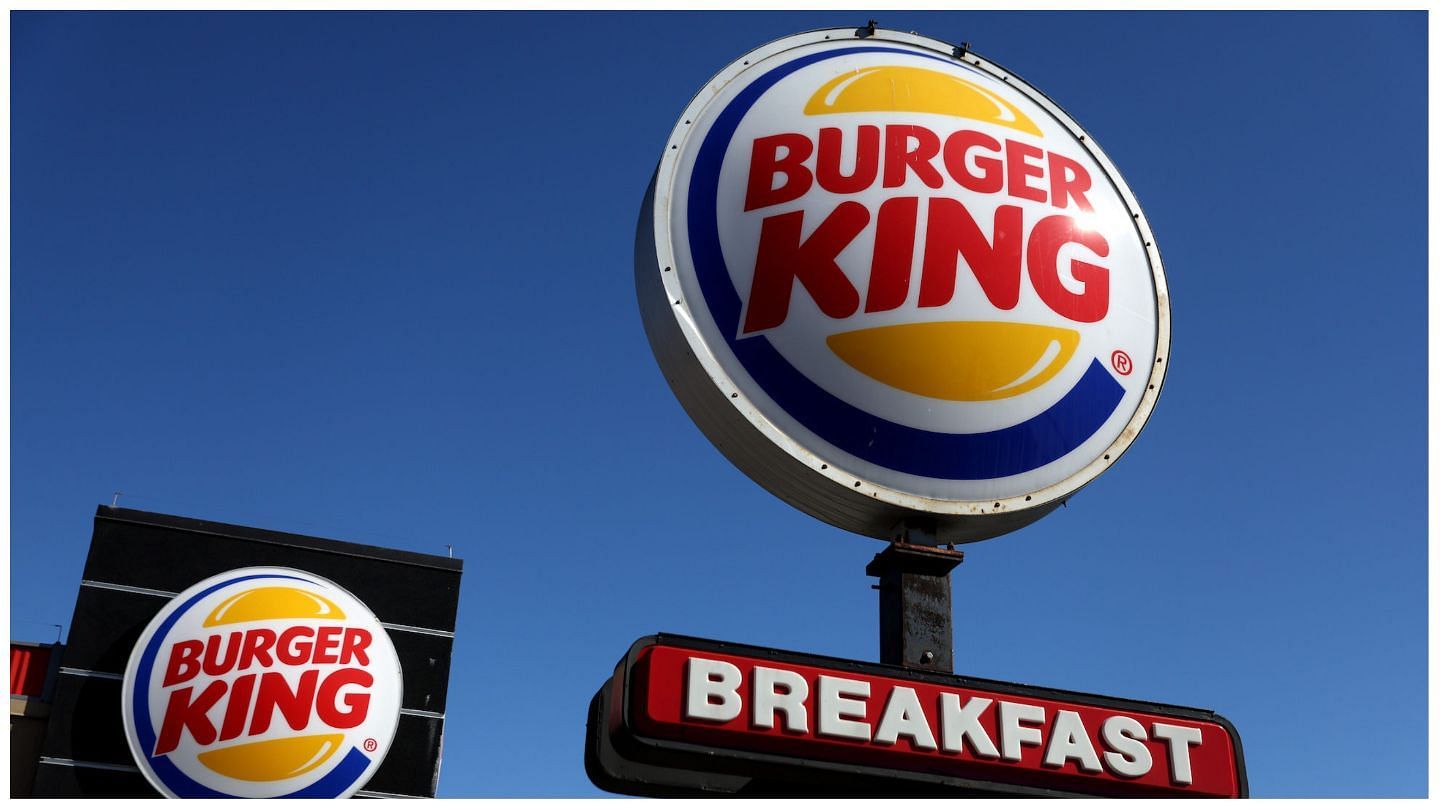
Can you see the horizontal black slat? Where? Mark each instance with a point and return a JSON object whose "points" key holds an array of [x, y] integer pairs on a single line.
{"points": [[425, 663], [413, 765], [85, 722], [105, 628], [71, 782]]}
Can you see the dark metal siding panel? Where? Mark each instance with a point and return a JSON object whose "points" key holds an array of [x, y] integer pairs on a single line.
{"points": [[167, 559], [107, 623], [327, 545], [425, 660], [105, 628], [412, 767], [147, 551], [85, 722], [56, 781], [86, 726]]}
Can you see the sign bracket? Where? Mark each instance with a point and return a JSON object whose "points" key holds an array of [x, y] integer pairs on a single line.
{"points": [[916, 616]]}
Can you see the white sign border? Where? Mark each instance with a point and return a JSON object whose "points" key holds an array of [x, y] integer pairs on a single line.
{"points": [[1038, 502]]}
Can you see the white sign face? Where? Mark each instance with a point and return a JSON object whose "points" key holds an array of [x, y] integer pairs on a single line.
{"points": [[909, 272], [262, 683]]}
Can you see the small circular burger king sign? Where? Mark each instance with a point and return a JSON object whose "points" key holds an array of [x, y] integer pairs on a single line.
{"points": [[262, 683], [895, 284]]}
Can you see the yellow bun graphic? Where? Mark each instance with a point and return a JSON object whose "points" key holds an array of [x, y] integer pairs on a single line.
{"points": [[961, 361], [258, 604], [272, 760], [910, 89]]}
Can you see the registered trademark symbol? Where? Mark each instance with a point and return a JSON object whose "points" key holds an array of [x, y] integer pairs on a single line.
{"points": [[1121, 362], [370, 744]]}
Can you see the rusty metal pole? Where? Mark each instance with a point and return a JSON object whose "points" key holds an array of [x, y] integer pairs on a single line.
{"points": [[916, 624]]}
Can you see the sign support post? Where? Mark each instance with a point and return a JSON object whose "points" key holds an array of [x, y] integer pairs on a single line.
{"points": [[916, 624]]}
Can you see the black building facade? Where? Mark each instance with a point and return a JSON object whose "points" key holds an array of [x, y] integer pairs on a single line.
{"points": [[139, 560]]}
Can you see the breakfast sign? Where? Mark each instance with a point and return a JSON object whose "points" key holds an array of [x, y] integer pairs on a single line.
{"points": [[812, 724], [905, 292]]}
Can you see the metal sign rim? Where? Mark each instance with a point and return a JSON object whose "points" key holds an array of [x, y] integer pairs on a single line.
{"points": [[837, 476]]}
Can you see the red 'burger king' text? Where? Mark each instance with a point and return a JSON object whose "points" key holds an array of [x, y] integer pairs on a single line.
{"points": [[787, 166], [329, 659]]}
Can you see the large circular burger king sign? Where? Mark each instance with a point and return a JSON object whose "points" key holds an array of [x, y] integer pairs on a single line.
{"points": [[262, 683], [895, 284]]}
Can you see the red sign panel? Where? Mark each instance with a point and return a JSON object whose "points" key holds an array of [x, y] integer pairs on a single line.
{"points": [[967, 731], [29, 667]]}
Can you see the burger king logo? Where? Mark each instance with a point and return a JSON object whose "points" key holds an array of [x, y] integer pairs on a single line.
{"points": [[918, 287], [262, 683]]}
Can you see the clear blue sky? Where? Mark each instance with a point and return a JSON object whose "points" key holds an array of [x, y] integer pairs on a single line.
{"points": [[370, 277]]}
